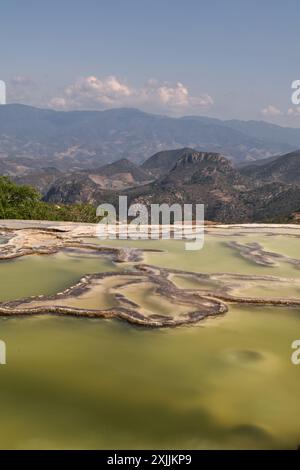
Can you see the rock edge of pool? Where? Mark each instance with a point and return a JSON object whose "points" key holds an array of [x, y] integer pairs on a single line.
{"points": [[28, 238]]}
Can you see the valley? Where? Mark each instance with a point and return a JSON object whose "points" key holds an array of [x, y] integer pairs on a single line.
{"points": [[230, 194], [243, 171]]}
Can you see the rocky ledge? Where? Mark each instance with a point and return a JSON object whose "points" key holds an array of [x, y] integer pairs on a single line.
{"points": [[190, 304]]}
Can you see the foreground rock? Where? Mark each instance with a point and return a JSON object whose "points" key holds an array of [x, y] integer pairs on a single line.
{"points": [[190, 305]]}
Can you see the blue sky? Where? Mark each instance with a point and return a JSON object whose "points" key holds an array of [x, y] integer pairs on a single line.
{"points": [[228, 59]]}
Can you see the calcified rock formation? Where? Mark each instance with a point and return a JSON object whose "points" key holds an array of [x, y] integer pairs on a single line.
{"points": [[188, 305], [197, 306], [30, 241], [229, 287], [198, 303], [256, 253]]}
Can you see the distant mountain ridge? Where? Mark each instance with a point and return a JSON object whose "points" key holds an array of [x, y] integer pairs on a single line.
{"points": [[241, 170], [207, 165], [81, 186], [284, 168], [162, 162], [33, 138], [123, 167], [230, 194]]}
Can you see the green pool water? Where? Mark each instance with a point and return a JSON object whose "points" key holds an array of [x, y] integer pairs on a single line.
{"points": [[76, 383], [48, 274], [215, 256], [227, 382]]}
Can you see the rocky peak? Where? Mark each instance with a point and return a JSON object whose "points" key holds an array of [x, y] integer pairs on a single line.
{"points": [[205, 158]]}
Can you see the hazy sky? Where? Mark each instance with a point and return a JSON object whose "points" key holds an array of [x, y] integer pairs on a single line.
{"points": [[228, 59]]}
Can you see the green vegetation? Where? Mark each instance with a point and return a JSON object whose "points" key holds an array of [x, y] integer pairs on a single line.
{"points": [[24, 202]]}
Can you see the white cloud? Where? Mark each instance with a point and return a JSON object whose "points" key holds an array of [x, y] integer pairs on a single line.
{"points": [[91, 90], [171, 96], [294, 111], [99, 93], [287, 116], [271, 111]]}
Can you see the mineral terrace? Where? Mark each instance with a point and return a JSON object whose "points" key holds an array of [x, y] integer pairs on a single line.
{"points": [[216, 291]]}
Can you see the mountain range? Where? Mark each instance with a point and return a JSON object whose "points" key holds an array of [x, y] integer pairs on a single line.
{"points": [[230, 194], [33, 138], [92, 157]]}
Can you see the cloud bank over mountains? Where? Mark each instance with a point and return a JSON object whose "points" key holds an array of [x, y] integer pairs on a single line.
{"points": [[270, 112], [99, 93], [162, 97]]}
